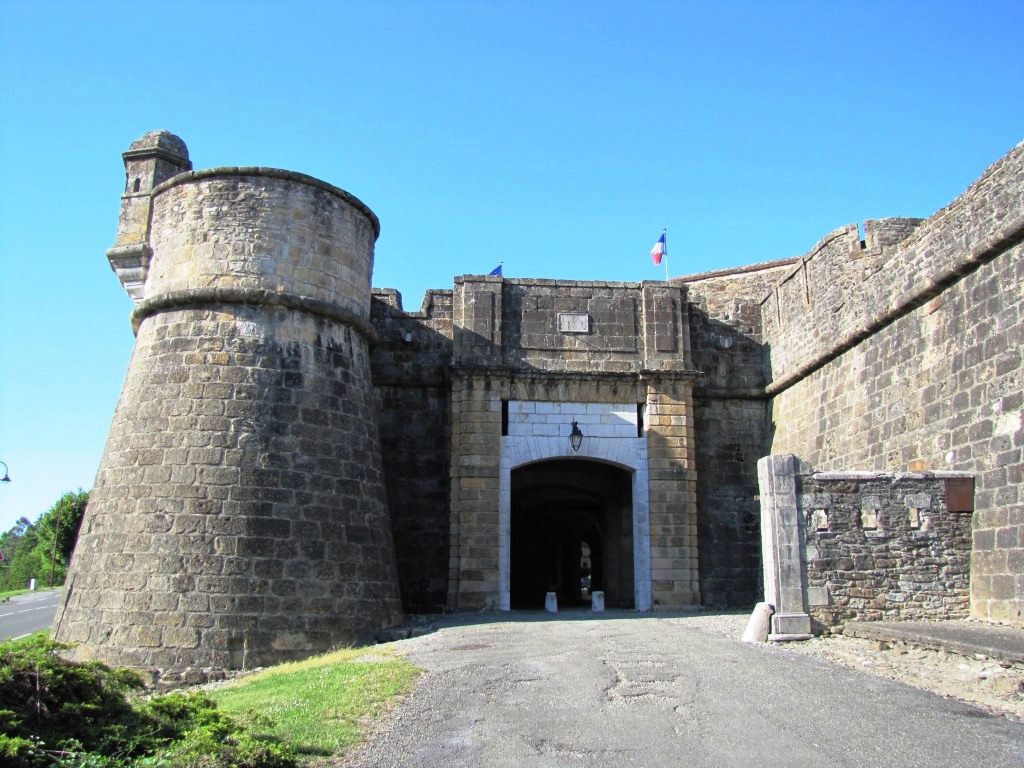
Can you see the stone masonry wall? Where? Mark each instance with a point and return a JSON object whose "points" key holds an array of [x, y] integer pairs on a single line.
{"points": [[673, 497], [730, 435], [239, 515], [918, 366], [730, 418], [574, 326], [559, 342], [885, 547], [232, 522], [411, 385]]}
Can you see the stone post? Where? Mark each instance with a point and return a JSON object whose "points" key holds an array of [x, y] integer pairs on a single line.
{"points": [[780, 547]]}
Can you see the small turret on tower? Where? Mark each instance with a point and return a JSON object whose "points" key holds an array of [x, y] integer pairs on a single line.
{"points": [[149, 161]]}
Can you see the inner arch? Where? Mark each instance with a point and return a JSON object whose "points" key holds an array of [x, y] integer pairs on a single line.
{"points": [[556, 507]]}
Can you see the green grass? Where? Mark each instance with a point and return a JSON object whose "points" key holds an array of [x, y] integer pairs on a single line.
{"points": [[322, 706]]}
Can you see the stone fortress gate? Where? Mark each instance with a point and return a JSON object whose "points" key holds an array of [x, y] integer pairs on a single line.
{"points": [[295, 459], [534, 360]]}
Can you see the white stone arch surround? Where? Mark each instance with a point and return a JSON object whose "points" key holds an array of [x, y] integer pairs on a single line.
{"points": [[540, 432]]}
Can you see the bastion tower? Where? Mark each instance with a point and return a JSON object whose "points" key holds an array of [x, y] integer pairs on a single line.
{"points": [[239, 515]]}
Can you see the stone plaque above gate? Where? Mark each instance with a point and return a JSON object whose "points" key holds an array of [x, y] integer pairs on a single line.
{"points": [[574, 322]]}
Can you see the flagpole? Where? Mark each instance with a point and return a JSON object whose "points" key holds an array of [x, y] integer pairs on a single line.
{"points": [[660, 251], [665, 232]]}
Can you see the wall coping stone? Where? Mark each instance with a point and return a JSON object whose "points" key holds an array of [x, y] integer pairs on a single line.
{"points": [[536, 281], [272, 173], [505, 371], [745, 270], [938, 474], [754, 393]]}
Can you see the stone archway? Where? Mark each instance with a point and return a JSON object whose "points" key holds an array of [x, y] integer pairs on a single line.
{"points": [[571, 525], [623, 456]]}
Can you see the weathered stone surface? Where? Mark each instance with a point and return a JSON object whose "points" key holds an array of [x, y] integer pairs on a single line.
{"points": [[239, 516], [731, 422], [906, 567], [245, 506], [909, 358], [411, 386], [781, 547]]}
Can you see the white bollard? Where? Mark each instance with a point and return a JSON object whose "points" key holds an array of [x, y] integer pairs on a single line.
{"points": [[597, 601], [759, 624], [551, 603], [32, 584]]}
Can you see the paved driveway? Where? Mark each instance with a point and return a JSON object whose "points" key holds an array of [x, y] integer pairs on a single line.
{"points": [[628, 689]]}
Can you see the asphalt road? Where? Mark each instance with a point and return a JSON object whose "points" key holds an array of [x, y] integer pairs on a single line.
{"points": [[28, 613], [633, 690]]}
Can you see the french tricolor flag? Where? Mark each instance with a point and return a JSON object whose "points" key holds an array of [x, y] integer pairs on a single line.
{"points": [[660, 249]]}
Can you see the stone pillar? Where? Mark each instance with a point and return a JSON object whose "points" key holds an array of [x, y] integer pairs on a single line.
{"points": [[474, 541], [473, 580], [666, 335], [239, 515], [673, 497], [477, 320], [780, 547]]}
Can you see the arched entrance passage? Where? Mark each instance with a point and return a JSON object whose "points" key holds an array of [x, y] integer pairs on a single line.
{"points": [[619, 453], [571, 526]]}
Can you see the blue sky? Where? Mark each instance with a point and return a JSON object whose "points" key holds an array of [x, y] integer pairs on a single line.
{"points": [[557, 137]]}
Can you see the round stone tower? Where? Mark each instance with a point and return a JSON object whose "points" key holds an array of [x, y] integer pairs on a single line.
{"points": [[239, 516]]}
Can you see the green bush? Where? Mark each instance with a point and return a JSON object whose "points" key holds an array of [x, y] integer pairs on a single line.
{"points": [[55, 712], [203, 748], [60, 704]]}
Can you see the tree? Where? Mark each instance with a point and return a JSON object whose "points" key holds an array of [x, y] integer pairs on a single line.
{"points": [[58, 533], [17, 545], [10, 539], [42, 550]]}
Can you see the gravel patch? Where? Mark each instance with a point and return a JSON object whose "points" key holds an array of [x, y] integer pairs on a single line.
{"points": [[997, 687]]}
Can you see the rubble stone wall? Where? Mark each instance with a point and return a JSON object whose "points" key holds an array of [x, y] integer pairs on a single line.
{"points": [[885, 547]]}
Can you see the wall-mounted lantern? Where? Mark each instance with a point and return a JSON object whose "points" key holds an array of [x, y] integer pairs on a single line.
{"points": [[6, 478], [576, 436]]}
